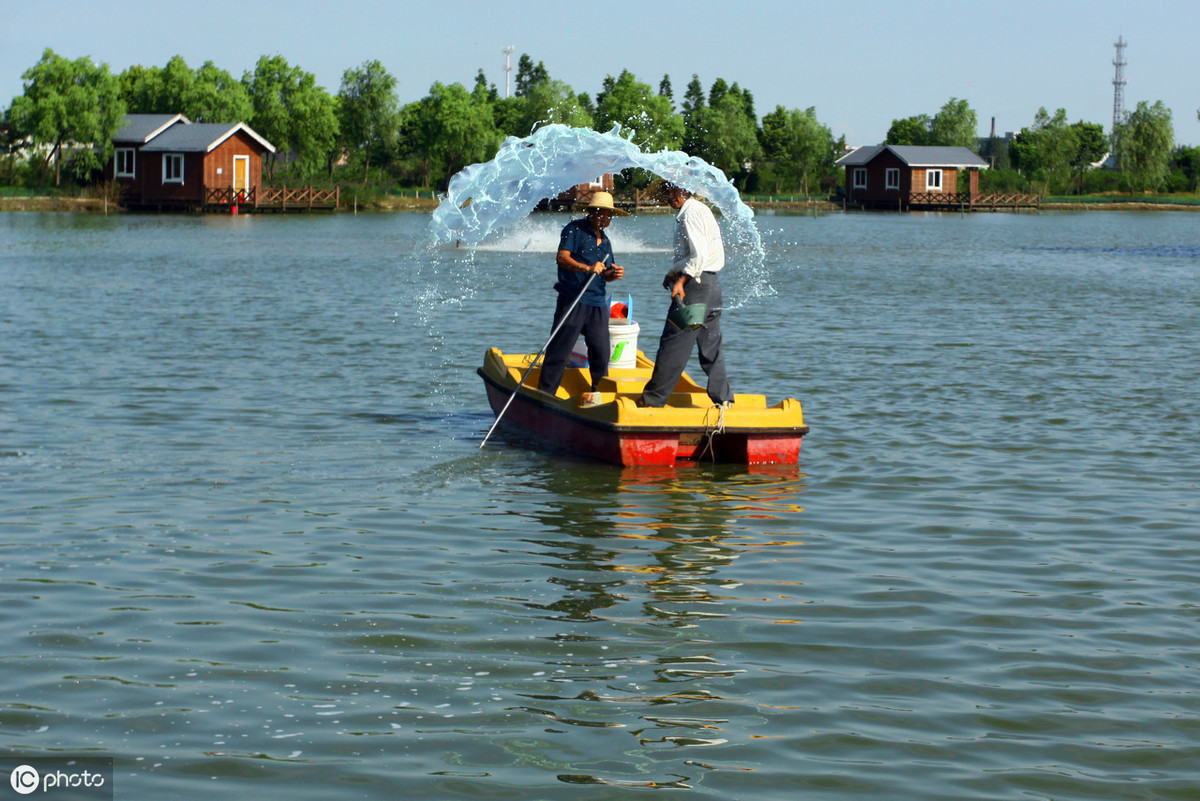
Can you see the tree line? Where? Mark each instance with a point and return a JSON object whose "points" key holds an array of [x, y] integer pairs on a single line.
{"points": [[362, 133], [1054, 156]]}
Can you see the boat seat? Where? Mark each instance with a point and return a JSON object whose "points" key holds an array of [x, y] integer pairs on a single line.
{"points": [[622, 386]]}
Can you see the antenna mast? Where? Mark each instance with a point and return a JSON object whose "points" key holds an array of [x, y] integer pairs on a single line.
{"points": [[1119, 115], [508, 51]]}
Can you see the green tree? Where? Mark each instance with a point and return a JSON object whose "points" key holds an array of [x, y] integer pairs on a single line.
{"points": [[157, 90], [910, 131], [1091, 145], [216, 96], [367, 112], [800, 147], [664, 89], [528, 75], [747, 104], [287, 105], [208, 94], [731, 140], [1045, 151], [552, 101], [954, 125], [717, 91], [995, 150], [9, 145], [691, 112], [141, 88], [1188, 160], [69, 102], [1144, 145], [483, 90], [449, 129], [540, 100], [628, 102], [315, 131]]}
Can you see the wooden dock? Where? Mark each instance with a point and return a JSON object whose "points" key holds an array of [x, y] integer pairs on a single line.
{"points": [[957, 201], [273, 199]]}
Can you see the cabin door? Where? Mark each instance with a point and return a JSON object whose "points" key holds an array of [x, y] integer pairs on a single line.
{"points": [[241, 173]]}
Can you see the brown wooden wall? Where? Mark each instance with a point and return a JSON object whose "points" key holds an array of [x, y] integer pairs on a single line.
{"points": [[221, 158], [912, 179], [199, 174]]}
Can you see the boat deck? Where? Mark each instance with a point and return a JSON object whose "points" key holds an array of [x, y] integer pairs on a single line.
{"points": [[689, 427]]}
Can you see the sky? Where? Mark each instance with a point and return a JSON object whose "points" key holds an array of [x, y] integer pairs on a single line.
{"points": [[860, 63]]}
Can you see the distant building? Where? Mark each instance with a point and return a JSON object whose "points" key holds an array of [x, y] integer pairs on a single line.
{"points": [[910, 176], [165, 161], [580, 193]]}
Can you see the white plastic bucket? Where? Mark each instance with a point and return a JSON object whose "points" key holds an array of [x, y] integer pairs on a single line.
{"points": [[622, 338]]}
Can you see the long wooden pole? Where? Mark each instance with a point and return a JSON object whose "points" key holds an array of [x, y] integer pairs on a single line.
{"points": [[533, 364]]}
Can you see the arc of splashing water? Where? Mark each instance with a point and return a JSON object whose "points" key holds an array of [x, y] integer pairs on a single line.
{"points": [[554, 158], [482, 198]]}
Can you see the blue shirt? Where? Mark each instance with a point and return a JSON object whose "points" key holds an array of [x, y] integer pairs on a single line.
{"points": [[579, 240]]}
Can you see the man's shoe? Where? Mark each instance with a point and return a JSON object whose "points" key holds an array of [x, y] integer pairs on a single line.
{"points": [[590, 399]]}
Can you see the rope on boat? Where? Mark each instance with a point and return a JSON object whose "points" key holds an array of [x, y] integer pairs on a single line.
{"points": [[712, 431]]}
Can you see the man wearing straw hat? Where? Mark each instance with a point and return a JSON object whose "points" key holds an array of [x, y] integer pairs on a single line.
{"points": [[583, 251], [695, 315]]}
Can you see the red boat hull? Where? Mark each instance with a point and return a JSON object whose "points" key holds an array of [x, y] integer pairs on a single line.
{"points": [[641, 446]]}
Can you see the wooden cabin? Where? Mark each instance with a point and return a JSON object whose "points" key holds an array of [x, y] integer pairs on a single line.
{"points": [[580, 193], [167, 162], [135, 132], [911, 177]]}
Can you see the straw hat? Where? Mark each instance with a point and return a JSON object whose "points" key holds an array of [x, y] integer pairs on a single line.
{"points": [[603, 201]]}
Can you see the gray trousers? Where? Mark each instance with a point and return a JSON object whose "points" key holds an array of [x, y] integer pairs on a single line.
{"points": [[675, 347]]}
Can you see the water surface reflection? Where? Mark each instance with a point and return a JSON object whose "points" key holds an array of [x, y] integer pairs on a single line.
{"points": [[656, 573]]}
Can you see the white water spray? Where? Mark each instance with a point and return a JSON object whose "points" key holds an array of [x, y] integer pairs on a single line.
{"points": [[485, 197]]}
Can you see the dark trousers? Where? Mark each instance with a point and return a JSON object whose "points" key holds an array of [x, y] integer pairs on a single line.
{"points": [[592, 322], [675, 347]]}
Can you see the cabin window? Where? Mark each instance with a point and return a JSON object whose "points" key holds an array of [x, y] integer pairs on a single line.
{"points": [[933, 180], [860, 177], [125, 162], [892, 178], [172, 168]]}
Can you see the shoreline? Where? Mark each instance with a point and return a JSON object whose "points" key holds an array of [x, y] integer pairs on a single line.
{"points": [[91, 205]]}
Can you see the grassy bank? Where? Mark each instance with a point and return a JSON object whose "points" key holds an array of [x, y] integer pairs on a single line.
{"points": [[57, 203], [1179, 202]]}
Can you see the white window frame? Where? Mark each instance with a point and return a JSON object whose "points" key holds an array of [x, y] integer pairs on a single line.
{"points": [[891, 178], [933, 180], [125, 162], [172, 168], [860, 177]]}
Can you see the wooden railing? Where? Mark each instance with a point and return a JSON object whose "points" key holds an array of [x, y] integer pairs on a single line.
{"points": [[283, 198], [275, 198], [995, 200], [227, 196]]}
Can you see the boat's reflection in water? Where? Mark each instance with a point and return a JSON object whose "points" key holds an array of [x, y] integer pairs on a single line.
{"points": [[663, 575]]}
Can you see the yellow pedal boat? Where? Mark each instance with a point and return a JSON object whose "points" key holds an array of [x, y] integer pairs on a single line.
{"points": [[688, 429]]}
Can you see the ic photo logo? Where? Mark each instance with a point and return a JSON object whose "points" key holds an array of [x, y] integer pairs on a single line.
{"points": [[73, 778], [25, 779]]}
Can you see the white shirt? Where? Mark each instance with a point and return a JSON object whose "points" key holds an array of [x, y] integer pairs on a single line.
{"points": [[698, 246]]}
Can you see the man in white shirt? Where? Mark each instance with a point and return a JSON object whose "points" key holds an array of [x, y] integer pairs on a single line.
{"points": [[693, 279]]}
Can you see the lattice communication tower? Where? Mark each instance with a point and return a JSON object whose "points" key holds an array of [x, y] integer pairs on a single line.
{"points": [[1119, 115]]}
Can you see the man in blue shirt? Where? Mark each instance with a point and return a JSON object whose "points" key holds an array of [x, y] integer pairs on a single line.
{"points": [[583, 250]]}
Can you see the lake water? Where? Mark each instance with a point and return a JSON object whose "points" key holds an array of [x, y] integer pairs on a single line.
{"points": [[249, 545]]}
